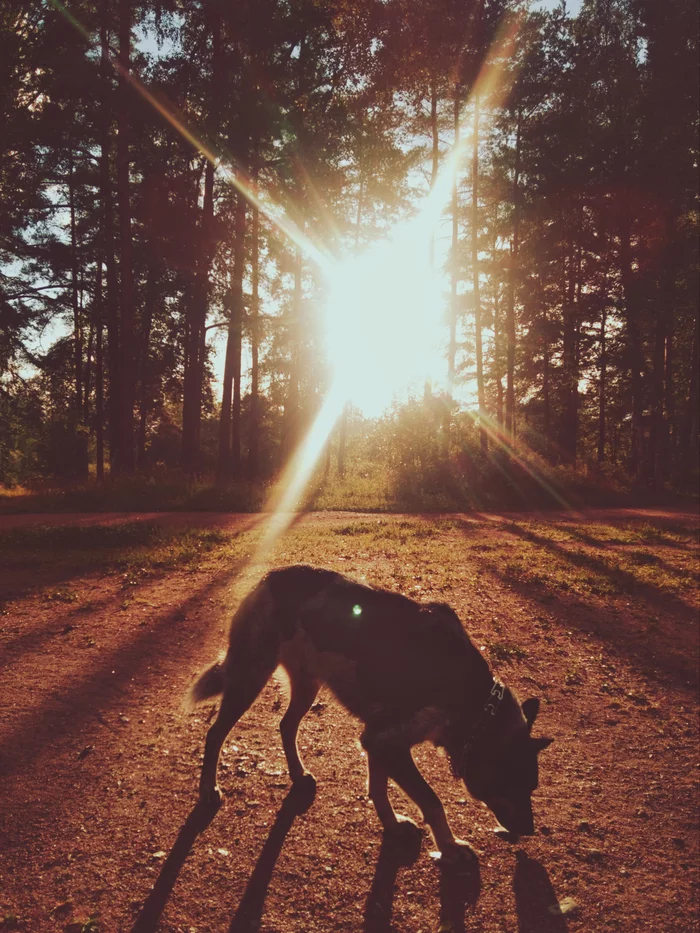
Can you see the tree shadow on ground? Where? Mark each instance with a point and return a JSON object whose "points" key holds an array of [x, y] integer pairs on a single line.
{"points": [[14, 650], [248, 915], [622, 579], [659, 657], [149, 915], [536, 902], [103, 685]]}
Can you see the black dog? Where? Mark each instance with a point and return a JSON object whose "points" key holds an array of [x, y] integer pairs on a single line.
{"points": [[407, 670]]}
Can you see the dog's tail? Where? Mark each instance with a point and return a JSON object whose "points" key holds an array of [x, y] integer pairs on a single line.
{"points": [[210, 683]]}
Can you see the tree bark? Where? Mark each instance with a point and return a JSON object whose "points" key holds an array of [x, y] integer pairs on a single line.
{"points": [[144, 374], [77, 324], [99, 377], [108, 248], [254, 425], [634, 345], [513, 275], [229, 420], [195, 351], [569, 415], [291, 413], [454, 280], [602, 386], [237, 285], [125, 463], [483, 439]]}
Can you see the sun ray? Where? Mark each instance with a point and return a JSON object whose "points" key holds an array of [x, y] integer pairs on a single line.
{"points": [[408, 245], [223, 160]]}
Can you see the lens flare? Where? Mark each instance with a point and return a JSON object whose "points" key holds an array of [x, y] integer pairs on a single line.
{"points": [[381, 316]]}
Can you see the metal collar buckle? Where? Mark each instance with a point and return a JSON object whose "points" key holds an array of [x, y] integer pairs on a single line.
{"points": [[491, 708], [495, 698]]}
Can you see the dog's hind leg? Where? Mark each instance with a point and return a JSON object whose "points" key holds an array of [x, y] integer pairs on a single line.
{"points": [[304, 690], [241, 690]]}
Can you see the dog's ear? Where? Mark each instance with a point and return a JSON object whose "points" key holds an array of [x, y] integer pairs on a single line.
{"points": [[531, 708], [541, 744]]}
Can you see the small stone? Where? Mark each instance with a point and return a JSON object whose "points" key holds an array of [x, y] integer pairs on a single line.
{"points": [[584, 826], [594, 855], [566, 907], [159, 854]]}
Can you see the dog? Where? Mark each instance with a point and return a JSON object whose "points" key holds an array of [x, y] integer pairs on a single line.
{"points": [[407, 670]]}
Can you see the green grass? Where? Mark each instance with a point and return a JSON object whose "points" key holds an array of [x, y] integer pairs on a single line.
{"points": [[422, 556], [136, 549]]}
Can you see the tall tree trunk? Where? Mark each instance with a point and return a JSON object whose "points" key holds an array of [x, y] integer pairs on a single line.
{"points": [[477, 287], [126, 270], [568, 426], [111, 302], [77, 323], [657, 399], [512, 279], [546, 404], [254, 424], [229, 420], [497, 355], [454, 279], [223, 466], [435, 162], [87, 378], [634, 343], [602, 385], [195, 351], [343, 430], [237, 285], [291, 413], [692, 419], [144, 373], [99, 377]]}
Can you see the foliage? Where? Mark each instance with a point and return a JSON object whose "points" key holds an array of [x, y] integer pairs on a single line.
{"points": [[125, 255]]}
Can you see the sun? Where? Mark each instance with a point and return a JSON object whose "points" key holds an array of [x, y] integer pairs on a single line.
{"points": [[383, 321]]}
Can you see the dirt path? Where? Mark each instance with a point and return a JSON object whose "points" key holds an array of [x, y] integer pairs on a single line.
{"points": [[596, 614]]}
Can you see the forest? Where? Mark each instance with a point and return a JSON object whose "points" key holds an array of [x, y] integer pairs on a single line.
{"points": [[204, 253]]}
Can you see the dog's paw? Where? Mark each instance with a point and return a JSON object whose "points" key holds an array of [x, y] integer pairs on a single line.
{"points": [[456, 852], [211, 797], [306, 782], [404, 831], [303, 792]]}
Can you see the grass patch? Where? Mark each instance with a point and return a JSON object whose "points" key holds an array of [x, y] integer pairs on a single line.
{"points": [[505, 651], [134, 548]]}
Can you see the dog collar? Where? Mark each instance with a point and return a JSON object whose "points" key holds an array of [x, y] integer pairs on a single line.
{"points": [[490, 709]]}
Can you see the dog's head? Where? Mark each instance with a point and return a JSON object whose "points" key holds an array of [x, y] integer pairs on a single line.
{"points": [[504, 772]]}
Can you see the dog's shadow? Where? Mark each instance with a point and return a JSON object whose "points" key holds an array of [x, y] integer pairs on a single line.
{"points": [[249, 912], [460, 885], [535, 899], [247, 916], [149, 915]]}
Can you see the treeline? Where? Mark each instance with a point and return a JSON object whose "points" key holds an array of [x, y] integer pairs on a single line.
{"points": [[571, 277]]}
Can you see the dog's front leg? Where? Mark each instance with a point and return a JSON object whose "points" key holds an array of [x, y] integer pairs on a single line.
{"points": [[377, 777], [402, 769]]}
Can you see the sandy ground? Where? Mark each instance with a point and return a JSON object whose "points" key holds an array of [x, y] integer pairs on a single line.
{"points": [[99, 763]]}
